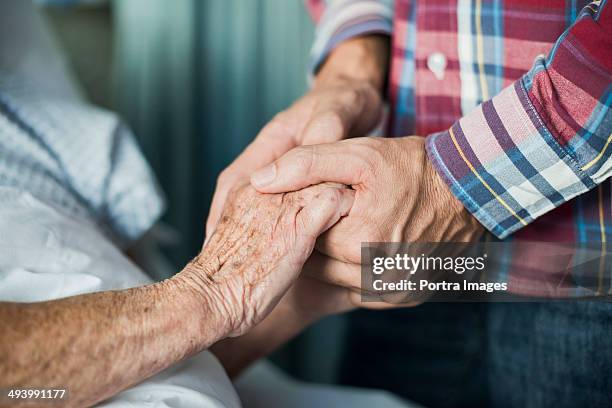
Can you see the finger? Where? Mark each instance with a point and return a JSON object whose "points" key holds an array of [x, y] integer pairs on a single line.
{"points": [[348, 275], [357, 300], [331, 270], [329, 122], [325, 127], [324, 210], [305, 196], [320, 298], [346, 115], [307, 165]]}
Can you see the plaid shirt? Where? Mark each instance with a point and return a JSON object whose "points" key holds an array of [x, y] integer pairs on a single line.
{"points": [[514, 98]]}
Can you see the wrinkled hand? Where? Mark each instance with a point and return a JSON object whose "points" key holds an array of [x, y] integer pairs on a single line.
{"points": [[399, 197], [345, 101], [259, 247], [331, 111]]}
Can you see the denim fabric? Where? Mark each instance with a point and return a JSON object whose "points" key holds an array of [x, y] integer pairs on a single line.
{"points": [[550, 354], [556, 354]]}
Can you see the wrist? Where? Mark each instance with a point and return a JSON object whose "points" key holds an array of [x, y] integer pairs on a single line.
{"points": [[362, 59], [204, 301], [453, 207]]}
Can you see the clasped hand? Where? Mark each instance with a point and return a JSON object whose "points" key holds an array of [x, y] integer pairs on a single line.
{"points": [[399, 197], [258, 249]]}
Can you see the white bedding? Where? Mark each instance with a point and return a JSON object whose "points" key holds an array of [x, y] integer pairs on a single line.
{"points": [[47, 254]]}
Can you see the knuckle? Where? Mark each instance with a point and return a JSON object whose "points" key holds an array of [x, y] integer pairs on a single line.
{"points": [[331, 122], [334, 196], [240, 193], [330, 196], [372, 157], [304, 157]]}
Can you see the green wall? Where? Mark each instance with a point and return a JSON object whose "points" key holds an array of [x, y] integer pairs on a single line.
{"points": [[196, 80]]}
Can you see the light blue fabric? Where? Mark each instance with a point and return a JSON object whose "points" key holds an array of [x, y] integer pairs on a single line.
{"points": [[65, 152], [79, 158]]}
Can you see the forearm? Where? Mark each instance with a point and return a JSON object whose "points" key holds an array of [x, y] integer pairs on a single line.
{"points": [[96, 345], [362, 59]]}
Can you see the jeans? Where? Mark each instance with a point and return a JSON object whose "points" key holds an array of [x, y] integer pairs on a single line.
{"points": [[553, 354]]}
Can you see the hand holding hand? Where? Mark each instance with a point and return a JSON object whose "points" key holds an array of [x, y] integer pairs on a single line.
{"points": [[399, 197], [259, 247], [339, 106]]}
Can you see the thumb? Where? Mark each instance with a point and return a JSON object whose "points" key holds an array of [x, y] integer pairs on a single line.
{"points": [[327, 125], [308, 165]]}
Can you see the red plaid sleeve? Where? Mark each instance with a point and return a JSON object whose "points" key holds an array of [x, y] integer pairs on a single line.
{"points": [[542, 141]]}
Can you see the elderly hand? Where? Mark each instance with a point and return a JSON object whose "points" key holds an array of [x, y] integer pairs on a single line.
{"points": [[399, 197], [98, 344], [345, 101], [259, 247]]}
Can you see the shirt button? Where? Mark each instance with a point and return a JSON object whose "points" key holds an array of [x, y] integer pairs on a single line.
{"points": [[436, 62]]}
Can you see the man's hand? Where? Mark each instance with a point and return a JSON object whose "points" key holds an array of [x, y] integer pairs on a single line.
{"points": [[345, 101], [399, 197]]}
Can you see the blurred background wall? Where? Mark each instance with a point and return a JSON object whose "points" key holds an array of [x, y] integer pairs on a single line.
{"points": [[196, 80]]}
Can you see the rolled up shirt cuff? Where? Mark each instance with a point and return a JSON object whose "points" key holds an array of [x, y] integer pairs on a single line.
{"points": [[504, 165], [348, 19]]}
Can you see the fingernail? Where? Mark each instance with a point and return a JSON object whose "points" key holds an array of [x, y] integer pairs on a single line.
{"points": [[265, 176]]}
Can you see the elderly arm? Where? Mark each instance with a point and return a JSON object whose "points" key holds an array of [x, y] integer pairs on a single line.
{"points": [[96, 345]]}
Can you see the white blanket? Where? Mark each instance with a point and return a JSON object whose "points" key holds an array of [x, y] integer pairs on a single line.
{"points": [[47, 254]]}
